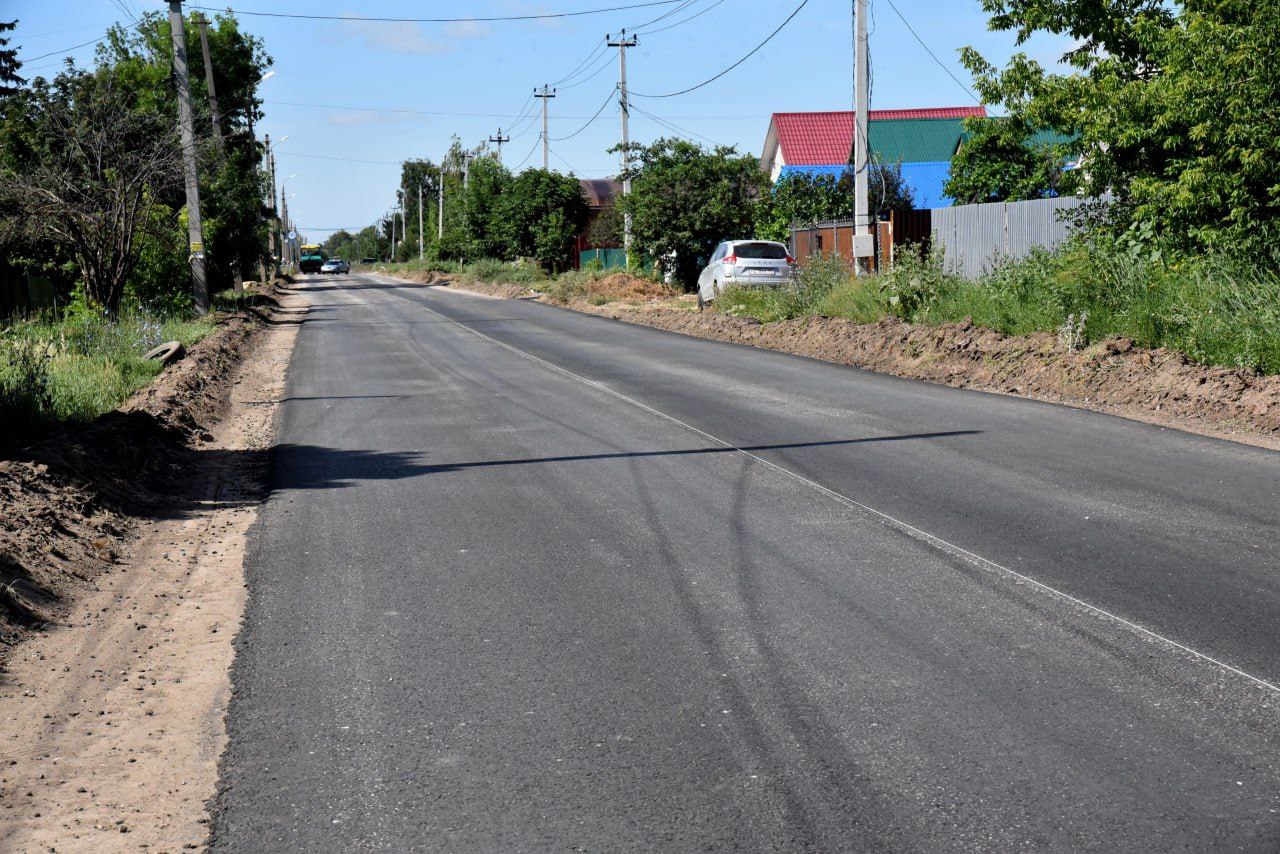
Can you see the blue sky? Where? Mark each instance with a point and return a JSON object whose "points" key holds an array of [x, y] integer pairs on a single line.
{"points": [[470, 79]]}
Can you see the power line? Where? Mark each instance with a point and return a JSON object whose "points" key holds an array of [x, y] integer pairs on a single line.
{"points": [[751, 53], [911, 30], [675, 24], [531, 17], [667, 14], [607, 99], [516, 168], [407, 111], [672, 126], [605, 63], [343, 159]]}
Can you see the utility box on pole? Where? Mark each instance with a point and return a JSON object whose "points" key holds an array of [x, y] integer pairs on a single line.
{"points": [[195, 230]]}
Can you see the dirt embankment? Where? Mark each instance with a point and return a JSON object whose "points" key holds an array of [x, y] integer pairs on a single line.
{"points": [[1158, 386], [112, 721]]}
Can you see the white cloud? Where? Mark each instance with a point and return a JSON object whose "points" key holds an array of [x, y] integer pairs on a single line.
{"points": [[466, 30], [397, 38], [355, 118], [411, 38]]}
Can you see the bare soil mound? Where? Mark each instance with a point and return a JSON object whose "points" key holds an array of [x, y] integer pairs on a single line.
{"points": [[1160, 386], [67, 504], [625, 286]]}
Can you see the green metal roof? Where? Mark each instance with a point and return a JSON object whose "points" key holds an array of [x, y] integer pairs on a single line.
{"points": [[915, 140]]}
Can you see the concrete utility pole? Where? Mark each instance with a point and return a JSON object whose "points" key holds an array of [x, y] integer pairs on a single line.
{"points": [[622, 43], [440, 214], [195, 231], [861, 217], [214, 115], [420, 248], [284, 226], [499, 139], [546, 93], [274, 224]]}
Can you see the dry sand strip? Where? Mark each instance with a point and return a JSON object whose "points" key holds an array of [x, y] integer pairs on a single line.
{"points": [[112, 724]]}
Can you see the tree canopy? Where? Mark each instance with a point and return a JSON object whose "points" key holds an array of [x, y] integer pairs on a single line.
{"points": [[1170, 107]]}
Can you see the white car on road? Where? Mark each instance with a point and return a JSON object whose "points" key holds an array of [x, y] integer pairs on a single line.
{"points": [[335, 265], [751, 263]]}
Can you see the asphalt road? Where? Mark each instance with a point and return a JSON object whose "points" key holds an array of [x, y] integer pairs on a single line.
{"points": [[533, 580]]}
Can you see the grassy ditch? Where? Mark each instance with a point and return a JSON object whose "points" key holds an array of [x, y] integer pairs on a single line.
{"points": [[1218, 310], [75, 368]]}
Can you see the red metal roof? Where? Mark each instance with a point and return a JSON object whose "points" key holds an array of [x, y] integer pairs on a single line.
{"points": [[819, 138]]}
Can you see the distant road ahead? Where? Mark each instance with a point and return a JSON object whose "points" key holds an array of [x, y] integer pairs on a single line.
{"points": [[535, 580]]}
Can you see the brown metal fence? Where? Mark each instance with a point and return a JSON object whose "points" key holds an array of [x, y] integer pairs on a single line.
{"points": [[836, 238]]}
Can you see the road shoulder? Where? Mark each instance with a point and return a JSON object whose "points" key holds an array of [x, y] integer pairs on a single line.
{"points": [[112, 723]]}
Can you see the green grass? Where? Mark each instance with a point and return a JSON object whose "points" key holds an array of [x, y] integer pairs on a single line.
{"points": [[75, 369], [1217, 309]]}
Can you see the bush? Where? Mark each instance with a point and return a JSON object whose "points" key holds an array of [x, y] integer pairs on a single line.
{"points": [[817, 279], [1217, 308], [493, 271]]}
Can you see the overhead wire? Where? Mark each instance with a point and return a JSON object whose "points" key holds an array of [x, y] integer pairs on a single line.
{"points": [[476, 19], [927, 50], [667, 14], [589, 121], [593, 75], [672, 126], [675, 24], [749, 54], [516, 168]]}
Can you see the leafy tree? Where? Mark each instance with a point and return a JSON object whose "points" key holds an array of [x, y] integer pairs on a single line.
{"points": [[10, 82], [538, 216], [803, 199], [1171, 106], [96, 170], [1002, 161], [685, 199]]}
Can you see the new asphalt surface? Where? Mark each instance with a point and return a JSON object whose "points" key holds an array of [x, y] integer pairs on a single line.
{"points": [[533, 580]]}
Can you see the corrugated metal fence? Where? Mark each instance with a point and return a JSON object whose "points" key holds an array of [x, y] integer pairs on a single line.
{"points": [[975, 237]]}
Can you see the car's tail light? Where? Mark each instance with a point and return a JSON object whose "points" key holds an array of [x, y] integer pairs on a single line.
{"points": [[730, 259], [791, 261]]}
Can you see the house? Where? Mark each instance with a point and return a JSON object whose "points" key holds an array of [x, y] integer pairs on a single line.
{"points": [[922, 140], [600, 194]]}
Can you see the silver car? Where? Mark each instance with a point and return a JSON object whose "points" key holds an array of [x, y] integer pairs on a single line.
{"points": [[335, 265], [750, 263]]}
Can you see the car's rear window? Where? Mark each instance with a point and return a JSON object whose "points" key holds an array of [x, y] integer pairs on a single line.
{"points": [[769, 251]]}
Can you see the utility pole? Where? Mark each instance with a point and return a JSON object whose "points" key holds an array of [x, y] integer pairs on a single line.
{"points": [[546, 93], [195, 231], [440, 214], [861, 217], [622, 43], [420, 249], [284, 226], [499, 139], [214, 115], [275, 211]]}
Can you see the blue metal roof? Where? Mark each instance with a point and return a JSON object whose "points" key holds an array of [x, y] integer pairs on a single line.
{"points": [[926, 180]]}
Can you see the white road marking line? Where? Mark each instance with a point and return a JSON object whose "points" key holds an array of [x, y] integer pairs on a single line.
{"points": [[893, 521]]}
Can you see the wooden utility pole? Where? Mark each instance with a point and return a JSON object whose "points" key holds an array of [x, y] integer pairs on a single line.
{"points": [[195, 230], [546, 94], [622, 43], [214, 115]]}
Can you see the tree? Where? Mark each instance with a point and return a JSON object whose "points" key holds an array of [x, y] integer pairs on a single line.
{"points": [[1002, 161], [1171, 109], [97, 169], [10, 82], [684, 200], [538, 216], [802, 199]]}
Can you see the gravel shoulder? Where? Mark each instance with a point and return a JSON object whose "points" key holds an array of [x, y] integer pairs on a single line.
{"points": [[112, 717]]}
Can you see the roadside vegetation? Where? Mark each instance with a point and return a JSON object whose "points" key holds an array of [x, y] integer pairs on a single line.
{"points": [[74, 368], [92, 203], [1215, 308]]}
